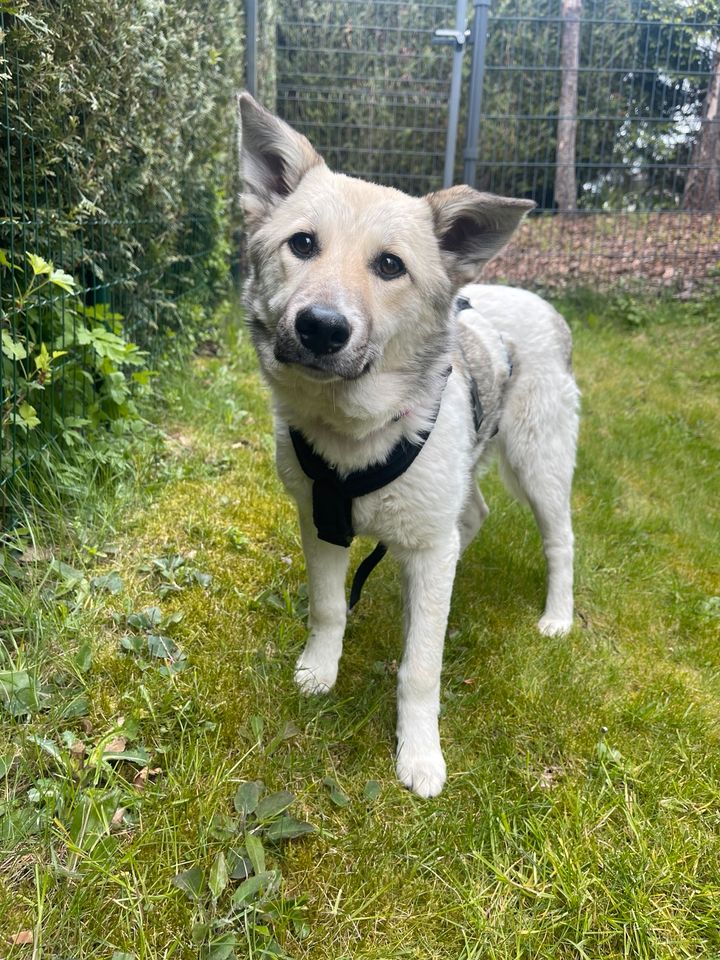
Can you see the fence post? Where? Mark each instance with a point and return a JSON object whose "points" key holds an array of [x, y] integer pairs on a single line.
{"points": [[481, 11], [458, 37], [251, 28]]}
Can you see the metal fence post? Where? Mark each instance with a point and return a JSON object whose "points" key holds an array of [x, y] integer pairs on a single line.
{"points": [[481, 11], [251, 29], [458, 38]]}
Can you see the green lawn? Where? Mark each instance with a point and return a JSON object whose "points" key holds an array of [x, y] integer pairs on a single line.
{"points": [[581, 818]]}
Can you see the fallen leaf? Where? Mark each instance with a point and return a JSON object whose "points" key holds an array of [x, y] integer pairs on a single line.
{"points": [[117, 817], [87, 726], [77, 749], [538, 255], [549, 777], [141, 777], [115, 746], [35, 554], [181, 439], [208, 348], [22, 938]]}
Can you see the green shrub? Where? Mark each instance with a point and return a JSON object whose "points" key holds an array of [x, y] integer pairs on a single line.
{"points": [[69, 373], [117, 162]]}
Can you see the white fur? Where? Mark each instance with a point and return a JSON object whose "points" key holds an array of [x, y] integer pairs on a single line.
{"points": [[355, 404], [427, 516]]}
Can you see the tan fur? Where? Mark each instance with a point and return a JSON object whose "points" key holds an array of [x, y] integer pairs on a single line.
{"points": [[472, 226]]}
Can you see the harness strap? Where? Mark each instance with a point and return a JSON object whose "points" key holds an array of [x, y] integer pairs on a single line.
{"points": [[364, 571], [332, 495]]}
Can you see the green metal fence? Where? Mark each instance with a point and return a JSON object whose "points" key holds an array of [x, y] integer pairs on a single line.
{"points": [[116, 151]]}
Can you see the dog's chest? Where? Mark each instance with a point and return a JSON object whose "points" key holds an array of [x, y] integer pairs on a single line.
{"points": [[424, 502]]}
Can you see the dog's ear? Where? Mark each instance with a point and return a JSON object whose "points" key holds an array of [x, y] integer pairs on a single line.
{"points": [[472, 227], [273, 157]]}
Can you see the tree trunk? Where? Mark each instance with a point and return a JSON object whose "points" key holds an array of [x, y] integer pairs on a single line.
{"points": [[565, 180], [702, 187]]}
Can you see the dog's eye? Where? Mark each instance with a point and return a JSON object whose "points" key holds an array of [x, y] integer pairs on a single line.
{"points": [[389, 266], [303, 245]]}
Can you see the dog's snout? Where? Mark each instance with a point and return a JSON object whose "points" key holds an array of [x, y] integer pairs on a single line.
{"points": [[322, 329]]}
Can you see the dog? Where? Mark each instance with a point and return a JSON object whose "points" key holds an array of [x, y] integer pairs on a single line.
{"points": [[395, 378]]}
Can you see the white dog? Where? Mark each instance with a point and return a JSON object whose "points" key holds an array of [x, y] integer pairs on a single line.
{"points": [[391, 393]]}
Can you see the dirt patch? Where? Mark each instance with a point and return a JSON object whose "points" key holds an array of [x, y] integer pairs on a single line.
{"points": [[679, 252]]}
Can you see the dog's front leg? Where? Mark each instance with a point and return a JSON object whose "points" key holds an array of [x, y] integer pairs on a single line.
{"points": [[429, 576], [317, 667]]}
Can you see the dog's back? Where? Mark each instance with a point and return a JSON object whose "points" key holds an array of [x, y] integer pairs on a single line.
{"points": [[531, 329]]}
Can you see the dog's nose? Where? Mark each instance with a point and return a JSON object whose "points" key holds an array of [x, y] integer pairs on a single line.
{"points": [[322, 330]]}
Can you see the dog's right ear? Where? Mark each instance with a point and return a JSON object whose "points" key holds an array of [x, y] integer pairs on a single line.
{"points": [[273, 157]]}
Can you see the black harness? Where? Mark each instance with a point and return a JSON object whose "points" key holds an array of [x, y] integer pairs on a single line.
{"points": [[332, 495]]}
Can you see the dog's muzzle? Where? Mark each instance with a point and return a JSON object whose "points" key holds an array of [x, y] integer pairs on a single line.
{"points": [[324, 342]]}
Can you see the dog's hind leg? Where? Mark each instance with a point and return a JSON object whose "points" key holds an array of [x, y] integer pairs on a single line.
{"points": [[317, 667], [538, 436], [475, 513]]}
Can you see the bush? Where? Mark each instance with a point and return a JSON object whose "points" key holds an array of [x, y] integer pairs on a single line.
{"points": [[117, 164]]}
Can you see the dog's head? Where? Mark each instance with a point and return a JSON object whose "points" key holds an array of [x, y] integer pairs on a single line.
{"points": [[349, 275]]}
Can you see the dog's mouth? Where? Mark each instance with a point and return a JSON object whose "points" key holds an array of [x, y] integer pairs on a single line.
{"points": [[312, 372], [344, 365], [319, 374]]}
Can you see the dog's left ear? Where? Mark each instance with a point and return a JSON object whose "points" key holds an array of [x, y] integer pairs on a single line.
{"points": [[472, 227], [273, 157]]}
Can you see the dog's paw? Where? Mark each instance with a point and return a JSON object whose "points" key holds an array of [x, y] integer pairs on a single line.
{"points": [[554, 626], [313, 676], [422, 771]]}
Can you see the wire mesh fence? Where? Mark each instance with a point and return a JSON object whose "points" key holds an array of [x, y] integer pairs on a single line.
{"points": [[362, 79]]}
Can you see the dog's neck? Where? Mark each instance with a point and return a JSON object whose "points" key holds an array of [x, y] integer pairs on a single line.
{"points": [[353, 424]]}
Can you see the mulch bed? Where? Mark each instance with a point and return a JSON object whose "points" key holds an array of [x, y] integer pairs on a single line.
{"points": [[679, 252]]}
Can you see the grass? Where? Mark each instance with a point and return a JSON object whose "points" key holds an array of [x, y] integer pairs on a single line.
{"points": [[580, 819]]}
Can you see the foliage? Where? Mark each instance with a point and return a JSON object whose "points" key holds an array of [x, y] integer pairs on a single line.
{"points": [[117, 159], [377, 104], [654, 146], [68, 372], [120, 176], [522, 90], [255, 908]]}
